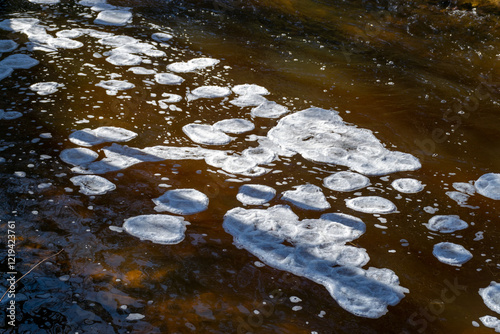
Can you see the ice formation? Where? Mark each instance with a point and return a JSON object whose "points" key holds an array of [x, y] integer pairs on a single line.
{"points": [[488, 185], [491, 296], [307, 197], [168, 79], [371, 204], [114, 17], [92, 184], [160, 229], [46, 88], [491, 322], [115, 85], [104, 134], [78, 156], [19, 61], [255, 194], [407, 185], [192, 65], [346, 181], [182, 202], [269, 109], [450, 253], [446, 224], [9, 115], [7, 45], [206, 134], [209, 92], [234, 125], [250, 89], [124, 59]]}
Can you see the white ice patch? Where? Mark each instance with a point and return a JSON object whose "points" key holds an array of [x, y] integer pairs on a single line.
{"points": [[45, 2], [446, 224], [78, 156], [250, 89], [182, 202], [206, 134], [69, 33], [235, 164], [170, 98], [161, 37], [248, 100], [491, 322], [141, 70], [307, 197], [91, 3], [346, 181], [209, 92], [64, 43], [234, 125], [269, 109], [114, 17], [92, 184], [118, 40], [18, 24], [124, 59], [9, 115], [140, 48], [315, 249], [491, 296], [371, 204], [115, 85], [5, 72], [461, 199], [407, 185], [168, 79], [46, 88], [322, 136], [160, 229], [192, 65], [450, 253], [104, 134], [255, 194], [465, 188], [260, 155], [488, 185], [19, 61], [7, 45]]}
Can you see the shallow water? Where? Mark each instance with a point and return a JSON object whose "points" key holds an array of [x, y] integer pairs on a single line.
{"points": [[422, 76]]}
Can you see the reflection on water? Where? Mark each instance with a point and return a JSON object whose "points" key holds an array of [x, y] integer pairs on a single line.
{"points": [[421, 75]]}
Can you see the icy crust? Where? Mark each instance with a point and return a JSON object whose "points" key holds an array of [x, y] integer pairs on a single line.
{"points": [[316, 250], [124, 59], [450, 253], [491, 296], [209, 92], [7, 45], [64, 43], [18, 24], [255, 194], [9, 115], [446, 224], [118, 40], [69, 33], [161, 37], [46, 88], [114, 17], [45, 2], [407, 185], [168, 79], [182, 202], [248, 100], [78, 156], [206, 134], [234, 125], [250, 89], [243, 164], [346, 181], [141, 70], [104, 134], [19, 61], [160, 229], [170, 98], [92, 184], [192, 65], [488, 185], [307, 197], [269, 109], [322, 136], [371, 204], [491, 322], [115, 85]]}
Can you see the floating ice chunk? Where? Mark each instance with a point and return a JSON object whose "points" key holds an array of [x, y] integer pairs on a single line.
{"points": [[371, 204], [206, 134], [5, 72], [250, 89], [463, 187], [141, 70], [64, 43], [307, 197], [407, 185], [210, 92], [322, 136], [192, 65], [91, 3], [46, 88], [19, 60], [160, 229], [92, 184], [102, 6], [7, 45], [452, 254], [9, 115], [168, 79], [161, 37], [260, 155], [491, 322], [269, 109], [461, 199], [169, 98], [346, 181], [446, 224], [491, 296], [255, 194], [115, 85], [140, 48], [488, 185], [114, 17], [124, 59], [234, 125], [45, 2], [69, 33], [236, 164], [104, 134], [248, 100], [18, 24], [182, 202], [118, 40], [78, 156]]}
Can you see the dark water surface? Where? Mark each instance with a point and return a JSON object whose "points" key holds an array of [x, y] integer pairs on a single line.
{"points": [[423, 76]]}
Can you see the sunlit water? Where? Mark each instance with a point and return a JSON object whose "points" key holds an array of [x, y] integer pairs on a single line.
{"points": [[422, 76]]}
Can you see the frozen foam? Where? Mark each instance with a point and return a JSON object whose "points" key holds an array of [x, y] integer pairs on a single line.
{"points": [[92, 184], [124, 59], [192, 65], [19, 61], [322, 136], [491, 322], [307, 197], [446, 224], [465, 188], [5, 72], [407, 185], [78, 156], [255, 194], [269, 109], [160, 229], [346, 181], [206, 134], [488, 185], [168, 79], [182, 202], [234, 125], [248, 100], [210, 92], [89, 137], [46, 88], [450, 253], [371, 204], [250, 89], [161, 37], [7, 45], [491, 296], [115, 85], [9, 115], [114, 17]]}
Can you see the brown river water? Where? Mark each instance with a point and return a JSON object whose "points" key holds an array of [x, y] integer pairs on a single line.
{"points": [[423, 76]]}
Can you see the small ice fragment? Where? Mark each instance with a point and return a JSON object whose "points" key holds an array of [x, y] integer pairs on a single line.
{"points": [[307, 197], [487, 185], [78, 156], [5, 72], [491, 322], [114, 17], [141, 70], [371, 204], [206, 134], [192, 65], [45, 2], [248, 100], [89, 137], [161, 37], [407, 185], [124, 59], [269, 109], [70, 33], [9, 115], [168, 79], [450, 253], [115, 85], [160, 229], [255, 194], [210, 92], [19, 61], [250, 89], [346, 181], [463, 187], [234, 125], [295, 299], [7, 45], [182, 202], [446, 224], [135, 316], [491, 296], [92, 184], [46, 88]]}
